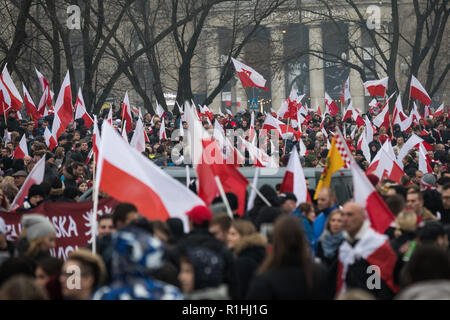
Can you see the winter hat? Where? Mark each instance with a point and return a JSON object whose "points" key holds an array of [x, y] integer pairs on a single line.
{"points": [[35, 190], [199, 214], [2, 226], [429, 180], [208, 267], [36, 226], [136, 252]]}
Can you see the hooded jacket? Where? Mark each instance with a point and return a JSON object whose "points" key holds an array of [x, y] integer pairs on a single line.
{"points": [[135, 257]]}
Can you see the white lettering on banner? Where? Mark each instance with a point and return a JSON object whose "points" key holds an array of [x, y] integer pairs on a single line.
{"points": [[62, 252], [13, 233], [59, 222]]}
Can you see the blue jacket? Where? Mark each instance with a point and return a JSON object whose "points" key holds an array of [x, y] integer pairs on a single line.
{"points": [[319, 224], [307, 227]]}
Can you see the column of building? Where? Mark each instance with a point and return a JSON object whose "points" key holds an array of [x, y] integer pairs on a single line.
{"points": [[356, 84], [316, 71], [278, 81]]}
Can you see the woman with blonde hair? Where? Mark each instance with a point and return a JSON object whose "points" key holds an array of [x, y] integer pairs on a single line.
{"points": [[37, 238], [331, 238], [405, 232]]}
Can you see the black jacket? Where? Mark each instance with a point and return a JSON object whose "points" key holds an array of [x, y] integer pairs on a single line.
{"points": [[250, 253], [201, 237], [290, 283]]}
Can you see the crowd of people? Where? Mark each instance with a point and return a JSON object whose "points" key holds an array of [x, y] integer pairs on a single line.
{"points": [[317, 250]]}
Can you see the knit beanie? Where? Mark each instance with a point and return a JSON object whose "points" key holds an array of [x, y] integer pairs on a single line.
{"points": [[429, 179], [35, 190], [36, 226]]}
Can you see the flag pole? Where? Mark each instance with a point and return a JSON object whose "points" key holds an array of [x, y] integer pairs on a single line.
{"points": [[260, 194], [224, 197], [94, 213]]}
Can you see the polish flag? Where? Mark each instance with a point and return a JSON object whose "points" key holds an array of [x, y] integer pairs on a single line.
{"points": [[63, 107], [48, 94], [417, 91], [96, 139], [331, 106], [110, 116], [439, 112], [138, 139], [412, 142], [427, 111], [248, 76], [50, 140], [377, 88], [424, 164], [384, 165], [81, 112], [378, 213], [382, 119], [294, 179], [42, 109], [36, 176], [363, 145], [126, 114], [289, 133], [121, 167], [258, 157], [160, 111], [398, 115], [271, 124], [204, 111], [319, 112], [124, 132], [346, 91], [303, 150], [30, 106], [22, 149], [162, 130], [10, 93]]}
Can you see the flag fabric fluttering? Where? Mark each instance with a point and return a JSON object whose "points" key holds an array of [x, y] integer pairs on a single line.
{"points": [[345, 95], [294, 179], [36, 176], [127, 175], [248, 76], [50, 140], [417, 91], [32, 111], [11, 95], [377, 88], [127, 117], [22, 149], [331, 106], [81, 112], [63, 110]]}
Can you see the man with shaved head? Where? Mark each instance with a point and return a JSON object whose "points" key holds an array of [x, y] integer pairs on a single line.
{"points": [[366, 259], [326, 203]]}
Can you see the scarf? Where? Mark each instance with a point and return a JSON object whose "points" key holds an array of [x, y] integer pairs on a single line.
{"points": [[331, 243]]}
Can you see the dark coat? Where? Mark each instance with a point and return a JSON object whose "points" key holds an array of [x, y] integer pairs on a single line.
{"points": [[201, 237], [289, 283], [250, 253]]}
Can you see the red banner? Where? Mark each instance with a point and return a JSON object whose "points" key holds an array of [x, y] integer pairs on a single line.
{"points": [[72, 222]]}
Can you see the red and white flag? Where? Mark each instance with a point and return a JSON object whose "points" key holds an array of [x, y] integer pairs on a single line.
{"points": [[96, 139], [384, 165], [294, 179], [110, 116], [271, 124], [10, 93], [124, 132], [439, 112], [81, 112], [417, 91], [63, 107], [126, 114], [36, 176], [248, 76], [363, 145], [50, 140], [331, 106], [412, 142], [424, 164], [378, 213], [345, 95], [48, 94], [138, 139], [162, 130], [160, 111], [22, 149], [377, 88], [121, 167], [382, 119], [42, 109], [30, 106]]}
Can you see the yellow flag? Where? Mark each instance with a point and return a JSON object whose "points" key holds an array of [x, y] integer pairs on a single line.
{"points": [[334, 163]]}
